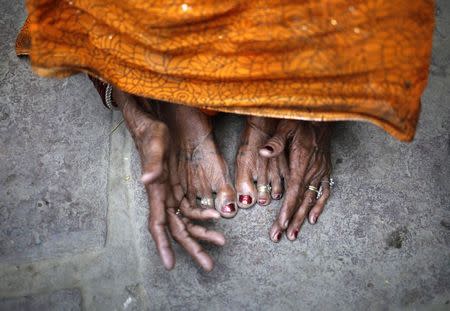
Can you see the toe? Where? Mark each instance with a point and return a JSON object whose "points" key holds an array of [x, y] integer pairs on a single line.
{"points": [[245, 187], [275, 180], [226, 201], [205, 191], [264, 197], [275, 232], [263, 186]]}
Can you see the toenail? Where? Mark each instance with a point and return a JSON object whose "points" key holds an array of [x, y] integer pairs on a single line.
{"points": [[229, 208], [277, 196], [295, 234], [277, 236], [245, 199], [268, 148], [313, 219], [262, 201]]}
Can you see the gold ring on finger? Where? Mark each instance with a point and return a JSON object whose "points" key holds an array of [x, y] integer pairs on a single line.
{"points": [[317, 191]]}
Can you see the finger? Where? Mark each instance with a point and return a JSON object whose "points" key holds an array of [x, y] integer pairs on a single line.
{"points": [[150, 136], [275, 145], [153, 153], [283, 166], [320, 203], [299, 161], [191, 193], [197, 213], [290, 204], [201, 233], [158, 222], [175, 181], [181, 235], [300, 215]]}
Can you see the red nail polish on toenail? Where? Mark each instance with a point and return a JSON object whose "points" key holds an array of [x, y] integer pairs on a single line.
{"points": [[278, 236], [295, 234], [268, 148], [262, 201], [245, 199], [229, 208]]}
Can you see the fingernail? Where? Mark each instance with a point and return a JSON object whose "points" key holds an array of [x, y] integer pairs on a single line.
{"points": [[245, 199], [268, 148], [229, 208], [295, 234], [277, 236], [313, 219]]}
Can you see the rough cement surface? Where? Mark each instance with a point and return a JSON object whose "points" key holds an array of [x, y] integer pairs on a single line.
{"points": [[53, 170], [382, 243], [62, 300]]}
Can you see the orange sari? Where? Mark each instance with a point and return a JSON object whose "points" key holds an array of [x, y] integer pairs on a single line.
{"points": [[316, 60]]}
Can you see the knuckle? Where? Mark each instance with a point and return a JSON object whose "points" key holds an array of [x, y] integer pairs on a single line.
{"points": [[310, 200], [277, 142], [154, 224], [301, 214], [180, 234]]}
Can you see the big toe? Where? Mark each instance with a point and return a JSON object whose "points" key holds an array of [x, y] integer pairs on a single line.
{"points": [[246, 190], [226, 201]]}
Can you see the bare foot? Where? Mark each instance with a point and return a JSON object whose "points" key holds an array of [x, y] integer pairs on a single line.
{"points": [[309, 165], [170, 212], [203, 171], [251, 167]]}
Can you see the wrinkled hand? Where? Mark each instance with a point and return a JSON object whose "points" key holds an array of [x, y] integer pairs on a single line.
{"points": [[308, 146], [170, 213]]}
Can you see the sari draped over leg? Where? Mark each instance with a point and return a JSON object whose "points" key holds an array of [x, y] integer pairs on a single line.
{"points": [[319, 60]]}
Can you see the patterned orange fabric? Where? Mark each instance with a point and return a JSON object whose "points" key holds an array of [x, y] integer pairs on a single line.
{"points": [[306, 59]]}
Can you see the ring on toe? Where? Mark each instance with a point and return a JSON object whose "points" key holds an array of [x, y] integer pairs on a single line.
{"points": [[206, 202], [264, 188]]}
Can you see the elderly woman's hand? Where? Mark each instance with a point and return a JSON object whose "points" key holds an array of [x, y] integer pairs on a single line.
{"points": [[308, 146], [170, 212]]}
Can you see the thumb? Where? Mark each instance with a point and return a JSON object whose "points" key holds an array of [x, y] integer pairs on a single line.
{"points": [[275, 145]]}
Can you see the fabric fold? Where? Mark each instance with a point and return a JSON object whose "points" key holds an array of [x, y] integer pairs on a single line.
{"points": [[320, 60]]}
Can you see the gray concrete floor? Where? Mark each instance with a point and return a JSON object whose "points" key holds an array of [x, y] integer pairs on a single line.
{"points": [[73, 216]]}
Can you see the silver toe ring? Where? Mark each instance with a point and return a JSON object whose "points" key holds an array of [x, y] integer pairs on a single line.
{"points": [[206, 202]]}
